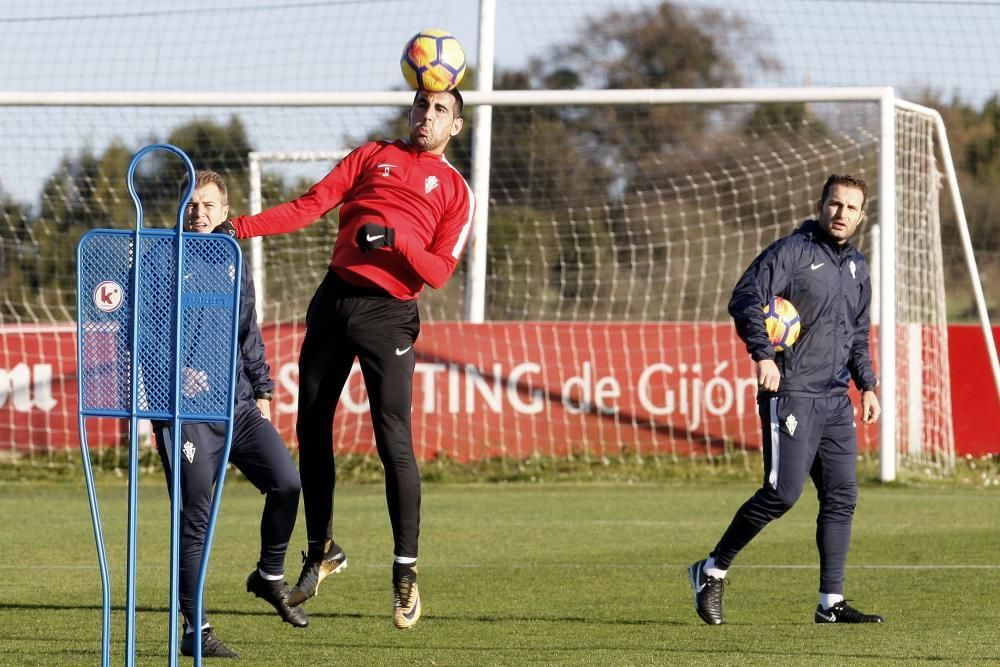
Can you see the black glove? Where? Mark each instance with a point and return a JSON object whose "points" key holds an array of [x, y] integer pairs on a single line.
{"points": [[225, 227], [372, 236]]}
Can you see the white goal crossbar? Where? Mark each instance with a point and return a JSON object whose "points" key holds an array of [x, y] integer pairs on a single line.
{"points": [[256, 159]]}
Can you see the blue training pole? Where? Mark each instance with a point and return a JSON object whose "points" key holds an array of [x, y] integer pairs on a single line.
{"points": [[104, 333], [137, 302], [174, 393], [204, 321]]}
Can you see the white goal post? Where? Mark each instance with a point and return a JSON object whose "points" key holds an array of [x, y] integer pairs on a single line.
{"points": [[628, 283], [886, 238], [256, 160]]}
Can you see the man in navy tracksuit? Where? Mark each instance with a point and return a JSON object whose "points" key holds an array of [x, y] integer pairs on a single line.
{"points": [[257, 451], [806, 416]]}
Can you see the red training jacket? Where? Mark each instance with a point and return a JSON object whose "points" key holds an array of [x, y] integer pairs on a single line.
{"points": [[419, 194]]}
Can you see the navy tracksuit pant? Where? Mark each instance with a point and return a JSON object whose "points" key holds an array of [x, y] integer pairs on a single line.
{"points": [[803, 437], [261, 455]]}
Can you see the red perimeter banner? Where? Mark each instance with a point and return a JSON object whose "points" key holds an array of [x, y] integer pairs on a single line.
{"points": [[511, 389]]}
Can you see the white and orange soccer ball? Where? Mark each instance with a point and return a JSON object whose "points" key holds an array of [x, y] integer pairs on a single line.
{"points": [[433, 60], [783, 323]]}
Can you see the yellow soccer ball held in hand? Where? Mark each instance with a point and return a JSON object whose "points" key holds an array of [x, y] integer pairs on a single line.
{"points": [[783, 323]]}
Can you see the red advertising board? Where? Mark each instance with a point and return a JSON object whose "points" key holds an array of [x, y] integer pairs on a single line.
{"points": [[511, 389], [975, 404], [517, 389]]}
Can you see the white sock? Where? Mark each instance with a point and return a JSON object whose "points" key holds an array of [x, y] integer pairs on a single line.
{"points": [[270, 577], [188, 630], [827, 600], [404, 560], [711, 570]]}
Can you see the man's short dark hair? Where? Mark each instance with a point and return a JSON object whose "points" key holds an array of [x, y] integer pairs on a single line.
{"points": [[459, 102], [848, 181]]}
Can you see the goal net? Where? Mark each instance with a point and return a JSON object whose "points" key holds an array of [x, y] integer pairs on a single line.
{"points": [[615, 235]]}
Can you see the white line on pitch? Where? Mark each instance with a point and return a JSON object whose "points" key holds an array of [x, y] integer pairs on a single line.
{"points": [[622, 566]]}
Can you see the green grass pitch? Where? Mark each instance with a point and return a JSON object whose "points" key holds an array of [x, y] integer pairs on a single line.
{"points": [[514, 574]]}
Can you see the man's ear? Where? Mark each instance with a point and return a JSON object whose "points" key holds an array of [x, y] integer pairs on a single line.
{"points": [[457, 125]]}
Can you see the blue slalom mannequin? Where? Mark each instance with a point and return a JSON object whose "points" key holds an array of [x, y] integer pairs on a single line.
{"points": [[156, 307]]}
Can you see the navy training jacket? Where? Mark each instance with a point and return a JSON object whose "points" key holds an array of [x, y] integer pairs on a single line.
{"points": [[252, 371], [831, 288]]}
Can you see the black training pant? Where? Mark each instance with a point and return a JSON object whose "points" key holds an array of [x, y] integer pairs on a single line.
{"points": [[345, 322]]}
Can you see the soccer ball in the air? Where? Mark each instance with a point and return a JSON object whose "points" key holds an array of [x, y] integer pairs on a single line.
{"points": [[433, 60], [783, 323]]}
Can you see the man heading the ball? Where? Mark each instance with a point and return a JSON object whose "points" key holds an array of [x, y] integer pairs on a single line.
{"points": [[405, 216], [806, 415]]}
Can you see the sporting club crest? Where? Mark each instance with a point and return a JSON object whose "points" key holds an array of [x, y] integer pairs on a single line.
{"points": [[188, 450]]}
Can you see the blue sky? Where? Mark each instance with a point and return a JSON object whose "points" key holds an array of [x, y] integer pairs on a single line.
{"points": [[948, 47], [342, 44]]}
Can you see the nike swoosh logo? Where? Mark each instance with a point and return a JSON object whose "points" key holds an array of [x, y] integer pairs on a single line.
{"points": [[400, 352], [371, 238], [829, 618], [811, 266], [410, 615]]}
